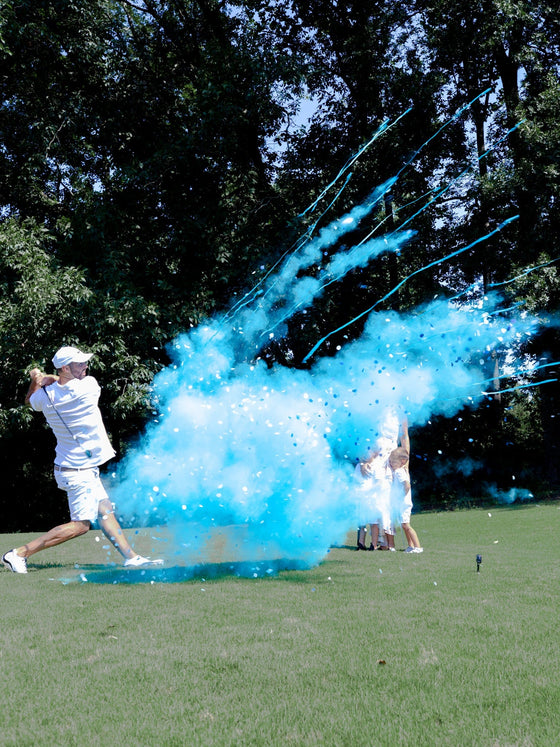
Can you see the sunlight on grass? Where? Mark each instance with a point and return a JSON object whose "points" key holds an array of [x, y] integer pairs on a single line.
{"points": [[367, 648]]}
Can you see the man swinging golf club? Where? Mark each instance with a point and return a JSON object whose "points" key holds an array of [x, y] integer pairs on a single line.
{"points": [[69, 402]]}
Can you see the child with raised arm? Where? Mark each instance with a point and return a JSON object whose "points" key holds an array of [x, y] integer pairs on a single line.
{"points": [[392, 431], [401, 497]]}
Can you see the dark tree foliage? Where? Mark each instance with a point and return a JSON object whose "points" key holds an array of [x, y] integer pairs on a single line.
{"points": [[152, 162], [133, 161]]}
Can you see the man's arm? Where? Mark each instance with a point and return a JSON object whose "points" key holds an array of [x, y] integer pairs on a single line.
{"points": [[38, 379]]}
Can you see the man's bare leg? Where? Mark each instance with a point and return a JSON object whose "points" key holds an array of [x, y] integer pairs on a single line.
{"points": [[112, 529], [55, 536]]}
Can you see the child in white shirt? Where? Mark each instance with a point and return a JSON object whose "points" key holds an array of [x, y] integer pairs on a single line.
{"points": [[401, 497]]}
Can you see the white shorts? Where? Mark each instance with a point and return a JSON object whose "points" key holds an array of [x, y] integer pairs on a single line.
{"points": [[405, 516], [85, 492], [405, 509]]}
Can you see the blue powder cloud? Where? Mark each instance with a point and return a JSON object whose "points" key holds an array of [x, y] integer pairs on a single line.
{"points": [[271, 451]]}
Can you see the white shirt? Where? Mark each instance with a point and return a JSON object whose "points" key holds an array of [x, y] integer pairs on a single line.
{"points": [[400, 497], [74, 416]]}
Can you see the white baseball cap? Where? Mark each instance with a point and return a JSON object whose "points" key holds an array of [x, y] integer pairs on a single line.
{"points": [[67, 355]]}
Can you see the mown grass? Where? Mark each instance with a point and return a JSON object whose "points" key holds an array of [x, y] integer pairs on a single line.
{"points": [[365, 649]]}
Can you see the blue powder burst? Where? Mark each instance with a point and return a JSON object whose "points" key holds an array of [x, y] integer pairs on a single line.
{"points": [[271, 451]]}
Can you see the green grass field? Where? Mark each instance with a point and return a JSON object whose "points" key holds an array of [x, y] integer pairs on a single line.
{"points": [[365, 649]]}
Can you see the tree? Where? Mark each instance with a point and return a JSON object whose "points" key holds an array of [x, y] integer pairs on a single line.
{"points": [[512, 48], [133, 170], [151, 165], [38, 303]]}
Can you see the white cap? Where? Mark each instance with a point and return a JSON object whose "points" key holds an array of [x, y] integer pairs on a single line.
{"points": [[67, 355]]}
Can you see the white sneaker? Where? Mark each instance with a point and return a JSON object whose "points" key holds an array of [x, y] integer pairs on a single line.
{"points": [[14, 562], [409, 549], [418, 549], [140, 560]]}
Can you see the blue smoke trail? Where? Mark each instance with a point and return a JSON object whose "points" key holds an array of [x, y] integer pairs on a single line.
{"points": [[508, 496], [406, 279], [525, 272], [285, 292], [281, 289], [383, 128], [522, 386]]}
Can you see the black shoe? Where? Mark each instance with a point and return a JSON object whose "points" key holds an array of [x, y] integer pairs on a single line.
{"points": [[361, 546], [371, 547]]}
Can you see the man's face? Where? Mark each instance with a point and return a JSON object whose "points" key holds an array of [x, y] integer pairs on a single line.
{"points": [[78, 370]]}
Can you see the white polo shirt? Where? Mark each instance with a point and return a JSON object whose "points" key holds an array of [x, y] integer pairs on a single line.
{"points": [[74, 416]]}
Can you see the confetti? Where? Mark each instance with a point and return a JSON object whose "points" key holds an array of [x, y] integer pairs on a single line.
{"points": [[241, 438]]}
